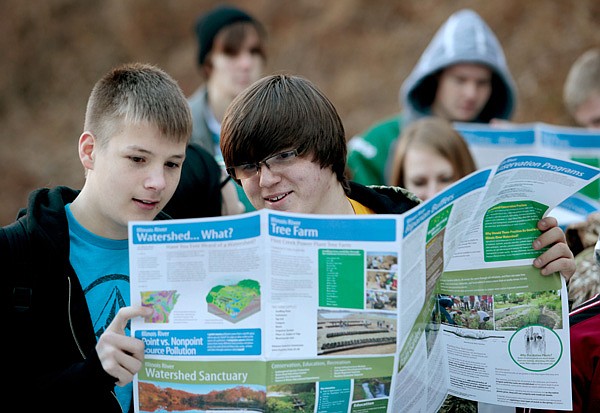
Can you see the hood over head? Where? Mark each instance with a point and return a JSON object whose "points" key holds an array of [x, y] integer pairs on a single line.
{"points": [[463, 38]]}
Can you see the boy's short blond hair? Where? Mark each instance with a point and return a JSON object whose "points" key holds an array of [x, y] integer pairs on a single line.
{"points": [[582, 81], [133, 93]]}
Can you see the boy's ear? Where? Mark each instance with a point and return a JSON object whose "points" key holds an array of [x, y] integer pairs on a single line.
{"points": [[87, 145]]}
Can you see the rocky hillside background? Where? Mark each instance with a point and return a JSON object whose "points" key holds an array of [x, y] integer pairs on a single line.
{"points": [[357, 51]]}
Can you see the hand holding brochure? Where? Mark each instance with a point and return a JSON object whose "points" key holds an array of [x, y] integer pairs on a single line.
{"points": [[270, 311]]}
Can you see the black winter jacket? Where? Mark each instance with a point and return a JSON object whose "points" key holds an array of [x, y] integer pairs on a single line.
{"points": [[51, 342], [383, 199]]}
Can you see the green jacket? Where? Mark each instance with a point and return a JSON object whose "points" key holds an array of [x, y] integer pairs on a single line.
{"points": [[368, 154]]}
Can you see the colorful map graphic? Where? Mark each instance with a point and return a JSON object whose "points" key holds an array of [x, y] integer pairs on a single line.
{"points": [[234, 302], [162, 302]]}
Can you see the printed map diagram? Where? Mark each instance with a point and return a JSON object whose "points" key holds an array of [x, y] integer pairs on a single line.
{"points": [[162, 302], [234, 302]]}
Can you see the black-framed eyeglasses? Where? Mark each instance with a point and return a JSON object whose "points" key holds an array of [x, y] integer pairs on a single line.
{"points": [[275, 163]]}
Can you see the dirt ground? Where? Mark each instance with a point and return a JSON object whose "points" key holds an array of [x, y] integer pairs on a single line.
{"points": [[357, 51]]}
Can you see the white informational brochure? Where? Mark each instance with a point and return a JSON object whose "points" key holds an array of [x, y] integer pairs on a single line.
{"points": [[270, 311]]}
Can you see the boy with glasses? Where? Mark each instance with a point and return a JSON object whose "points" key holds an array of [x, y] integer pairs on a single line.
{"points": [[284, 143]]}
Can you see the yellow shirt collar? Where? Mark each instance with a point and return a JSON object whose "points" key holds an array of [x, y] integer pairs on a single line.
{"points": [[360, 209]]}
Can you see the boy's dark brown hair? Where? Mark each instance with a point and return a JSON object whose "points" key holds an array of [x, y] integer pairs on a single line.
{"points": [[283, 112]]}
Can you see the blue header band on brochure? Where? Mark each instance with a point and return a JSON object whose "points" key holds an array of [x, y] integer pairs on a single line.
{"points": [[206, 231], [185, 343], [580, 205], [435, 204], [586, 140], [550, 164], [334, 230], [498, 138]]}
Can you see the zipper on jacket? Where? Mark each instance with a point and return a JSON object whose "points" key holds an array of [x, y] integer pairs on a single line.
{"points": [[71, 321], [114, 395], [112, 392]]}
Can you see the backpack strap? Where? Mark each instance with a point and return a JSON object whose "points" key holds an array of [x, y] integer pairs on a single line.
{"points": [[18, 241]]}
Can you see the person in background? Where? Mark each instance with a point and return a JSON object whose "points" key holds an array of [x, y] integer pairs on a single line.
{"points": [[581, 90], [231, 56], [581, 97], [66, 277], [461, 76], [430, 155]]}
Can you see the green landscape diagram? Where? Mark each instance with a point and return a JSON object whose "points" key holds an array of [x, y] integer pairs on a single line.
{"points": [[234, 302]]}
